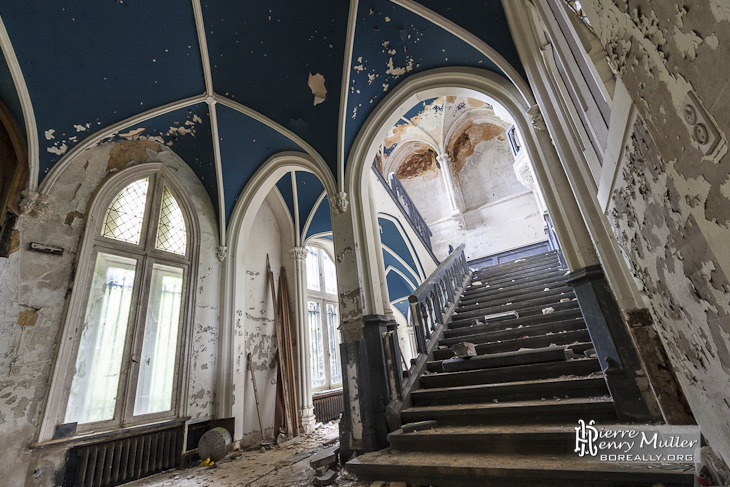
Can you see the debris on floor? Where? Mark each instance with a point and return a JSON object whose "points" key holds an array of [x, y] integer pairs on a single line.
{"points": [[287, 465]]}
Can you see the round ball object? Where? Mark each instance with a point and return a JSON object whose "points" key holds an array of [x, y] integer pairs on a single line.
{"points": [[214, 444]]}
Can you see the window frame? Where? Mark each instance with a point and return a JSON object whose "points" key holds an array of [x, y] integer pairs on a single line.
{"points": [[323, 298], [146, 256]]}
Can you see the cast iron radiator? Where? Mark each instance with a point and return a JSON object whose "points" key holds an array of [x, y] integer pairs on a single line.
{"points": [[115, 462], [328, 406]]}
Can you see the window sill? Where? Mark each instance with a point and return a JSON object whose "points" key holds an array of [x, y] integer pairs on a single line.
{"points": [[328, 392], [117, 434]]}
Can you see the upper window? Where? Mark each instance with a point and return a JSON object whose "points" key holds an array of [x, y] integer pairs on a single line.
{"points": [[127, 357], [323, 320]]}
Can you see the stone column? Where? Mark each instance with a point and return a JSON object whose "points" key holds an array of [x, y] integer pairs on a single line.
{"points": [[455, 198], [304, 384], [364, 382]]}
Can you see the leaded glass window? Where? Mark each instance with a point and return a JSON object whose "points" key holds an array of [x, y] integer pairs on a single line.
{"points": [[171, 233], [124, 218], [127, 363]]}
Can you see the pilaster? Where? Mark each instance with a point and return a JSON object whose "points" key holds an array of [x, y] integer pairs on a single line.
{"points": [[304, 384]]}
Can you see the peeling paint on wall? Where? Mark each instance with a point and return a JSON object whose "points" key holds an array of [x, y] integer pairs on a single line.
{"points": [[34, 289], [678, 272]]}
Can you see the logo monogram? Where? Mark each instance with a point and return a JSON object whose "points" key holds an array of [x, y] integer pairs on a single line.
{"points": [[585, 438]]}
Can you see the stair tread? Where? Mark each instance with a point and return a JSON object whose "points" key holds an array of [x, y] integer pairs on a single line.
{"points": [[557, 380], [552, 465], [592, 401], [469, 375]]}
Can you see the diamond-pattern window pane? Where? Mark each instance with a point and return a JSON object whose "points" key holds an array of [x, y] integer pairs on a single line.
{"points": [[123, 220], [171, 233]]}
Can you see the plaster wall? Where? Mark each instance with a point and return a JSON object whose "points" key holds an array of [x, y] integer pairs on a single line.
{"points": [[487, 175], [501, 214], [383, 203], [34, 289], [669, 207], [255, 327], [505, 224]]}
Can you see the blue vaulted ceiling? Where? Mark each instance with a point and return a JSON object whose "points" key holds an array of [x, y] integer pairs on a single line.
{"points": [[305, 199], [90, 64]]}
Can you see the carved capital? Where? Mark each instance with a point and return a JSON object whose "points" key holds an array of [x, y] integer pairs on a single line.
{"points": [[444, 159], [298, 253], [35, 205], [222, 252], [536, 119], [340, 203], [523, 171]]}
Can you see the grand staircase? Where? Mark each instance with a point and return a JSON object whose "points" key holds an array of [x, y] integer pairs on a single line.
{"points": [[507, 416]]}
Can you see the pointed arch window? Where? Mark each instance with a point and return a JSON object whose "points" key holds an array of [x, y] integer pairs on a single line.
{"points": [[127, 319]]}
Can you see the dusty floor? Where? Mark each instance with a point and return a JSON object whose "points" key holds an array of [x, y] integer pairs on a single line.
{"points": [[286, 466]]}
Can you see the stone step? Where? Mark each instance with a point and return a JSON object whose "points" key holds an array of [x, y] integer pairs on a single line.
{"points": [[576, 368], [548, 411], [523, 310], [505, 469], [512, 391], [529, 292], [467, 327], [489, 293], [505, 359], [506, 284], [579, 337], [535, 330], [539, 297], [514, 440], [544, 269], [517, 263]]}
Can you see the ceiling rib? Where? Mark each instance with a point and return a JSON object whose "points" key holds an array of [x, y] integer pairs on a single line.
{"points": [[346, 65], [474, 42], [30, 124], [271, 124], [109, 132], [210, 100]]}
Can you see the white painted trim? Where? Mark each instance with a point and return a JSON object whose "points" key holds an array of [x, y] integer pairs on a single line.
{"points": [[399, 154], [28, 114], [288, 213], [596, 236], [218, 170], [346, 71], [97, 137], [476, 115], [242, 217], [473, 41], [208, 76], [311, 214], [420, 271], [203, 43], [319, 239], [400, 273], [439, 149], [295, 198], [271, 124]]}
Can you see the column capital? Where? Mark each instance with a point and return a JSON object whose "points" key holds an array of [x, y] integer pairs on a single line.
{"points": [[536, 118], [340, 203], [298, 253], [444, 159]]}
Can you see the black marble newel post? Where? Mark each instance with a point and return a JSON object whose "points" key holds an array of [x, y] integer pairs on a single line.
{"points": [[614, 347], [373, 390]]}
